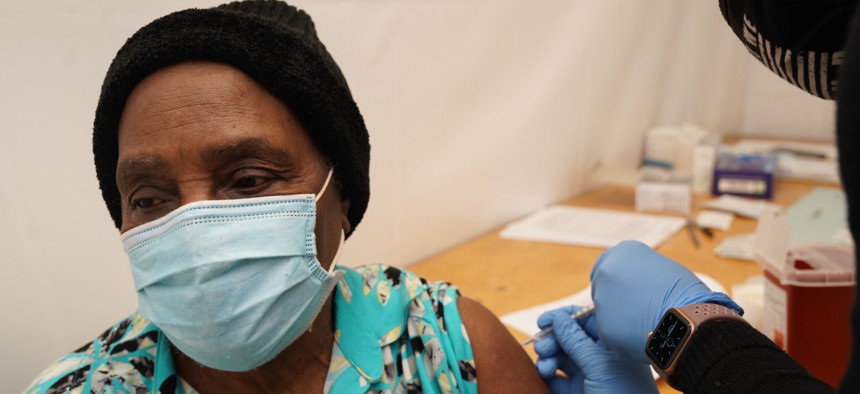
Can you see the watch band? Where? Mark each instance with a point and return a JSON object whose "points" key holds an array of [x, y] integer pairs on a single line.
{"points": [[700, 313], [690, 317]]}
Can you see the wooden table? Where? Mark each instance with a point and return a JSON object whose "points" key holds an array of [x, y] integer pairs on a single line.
{"points": [[509, 275]]}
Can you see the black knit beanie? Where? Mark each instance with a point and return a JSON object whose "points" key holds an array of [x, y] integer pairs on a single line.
{"points": [[273, 43]]}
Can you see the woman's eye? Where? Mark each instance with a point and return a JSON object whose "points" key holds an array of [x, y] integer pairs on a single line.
{"points": [[145, 202], [249, 182]]}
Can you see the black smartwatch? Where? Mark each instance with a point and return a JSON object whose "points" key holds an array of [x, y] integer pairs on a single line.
{"points": [[673, 333]]}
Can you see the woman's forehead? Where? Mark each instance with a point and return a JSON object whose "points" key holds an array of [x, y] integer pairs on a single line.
{"points": [[199, 84], [206, 104]]}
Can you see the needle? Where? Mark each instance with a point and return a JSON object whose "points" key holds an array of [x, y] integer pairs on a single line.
{"points": [[580, 314]]}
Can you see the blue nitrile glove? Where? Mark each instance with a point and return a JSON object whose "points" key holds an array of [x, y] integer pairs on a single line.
{"points": [[633, 286], [590, 367]]}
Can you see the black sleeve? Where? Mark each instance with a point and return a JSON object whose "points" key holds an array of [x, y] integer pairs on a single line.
{"points": [[728, 356], [848, 141], [799, 40]]}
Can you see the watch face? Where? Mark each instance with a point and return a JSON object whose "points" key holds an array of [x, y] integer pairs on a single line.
{"points": [[664, 343]]}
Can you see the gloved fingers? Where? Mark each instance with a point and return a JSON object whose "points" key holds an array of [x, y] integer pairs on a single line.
{"points": [[589, 324], [623, 377], [547, 347], [557, 385], [547, 366], [569, 366], [603, 344], [563, 385], [545, 319], [575, 342], [550, 356]]}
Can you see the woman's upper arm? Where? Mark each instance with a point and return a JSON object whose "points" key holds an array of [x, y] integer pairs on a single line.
{"points": [[501, 364]]}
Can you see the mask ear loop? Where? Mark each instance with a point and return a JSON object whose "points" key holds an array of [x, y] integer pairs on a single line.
{"points": [[337, 254], [342, 234], [325, 185]]}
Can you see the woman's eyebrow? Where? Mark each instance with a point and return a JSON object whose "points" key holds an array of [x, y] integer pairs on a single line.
{"points": [[141, 166], [251, 147]]}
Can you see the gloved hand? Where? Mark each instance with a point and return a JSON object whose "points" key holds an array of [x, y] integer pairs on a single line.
{"points": [[632, 286], [590, 367]]}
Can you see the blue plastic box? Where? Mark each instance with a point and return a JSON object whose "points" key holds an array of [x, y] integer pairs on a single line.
{"points": [[746, 175]]}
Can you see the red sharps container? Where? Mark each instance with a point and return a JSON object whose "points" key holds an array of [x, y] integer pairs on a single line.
{"points": [[809, 290]]}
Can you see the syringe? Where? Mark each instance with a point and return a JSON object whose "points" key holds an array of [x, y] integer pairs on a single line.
{"points": [[580, 314]]}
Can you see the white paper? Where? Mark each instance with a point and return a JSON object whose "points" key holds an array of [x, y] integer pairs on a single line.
{"points": [[738, 247], [592, 227], [798, 167], [746, 207], [825, 149], [714, 219]]}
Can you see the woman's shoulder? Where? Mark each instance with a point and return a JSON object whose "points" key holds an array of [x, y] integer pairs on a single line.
{"points": [[462, 338], [382, 310]]}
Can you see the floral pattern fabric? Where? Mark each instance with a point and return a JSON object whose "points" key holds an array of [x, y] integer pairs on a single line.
{"points": [[394, 333]]}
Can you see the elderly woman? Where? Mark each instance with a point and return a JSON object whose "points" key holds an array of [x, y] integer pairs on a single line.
{"points": [[234, 162]]}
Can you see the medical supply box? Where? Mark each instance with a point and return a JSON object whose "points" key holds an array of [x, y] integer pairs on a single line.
{"points": [[747, 175], [664, 193]]}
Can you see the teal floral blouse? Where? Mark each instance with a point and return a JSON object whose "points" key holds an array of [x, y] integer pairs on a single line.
{"points": [[394, 333]]}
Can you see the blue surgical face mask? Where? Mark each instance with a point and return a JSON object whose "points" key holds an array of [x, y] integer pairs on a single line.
{"points": [[231, 283]]}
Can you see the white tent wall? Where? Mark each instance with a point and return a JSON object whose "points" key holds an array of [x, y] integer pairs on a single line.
{"points": [[479, 112]]}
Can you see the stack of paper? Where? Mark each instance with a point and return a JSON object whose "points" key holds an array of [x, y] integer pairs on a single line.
{"points": [[592, 227]]}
